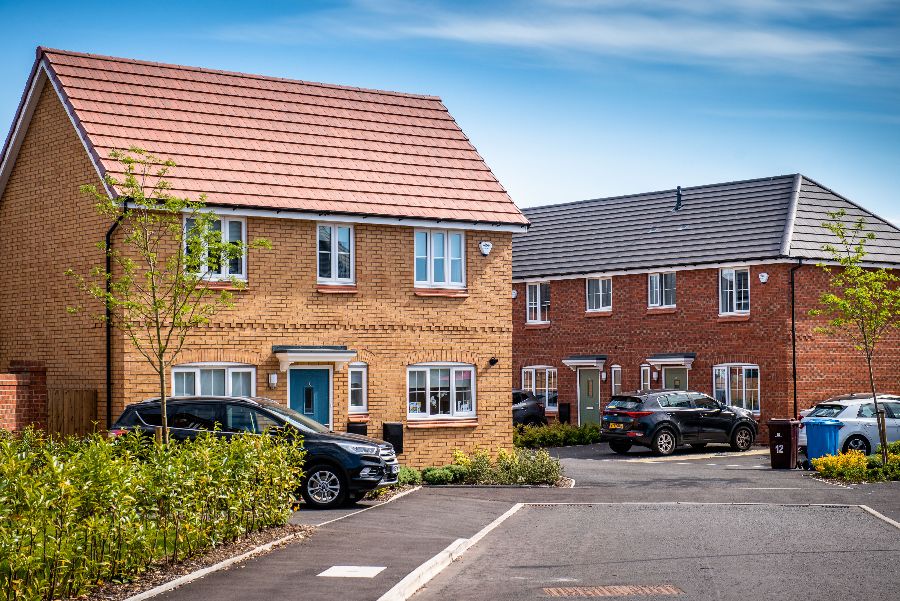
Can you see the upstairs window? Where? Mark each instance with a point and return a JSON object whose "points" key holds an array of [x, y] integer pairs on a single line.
{"points": [[440, 259], [734, 291], [542, 381], [661, 289], [537, 302], [231, 230], [737, 385], [440, 391], [599, 294], [335, 254]]}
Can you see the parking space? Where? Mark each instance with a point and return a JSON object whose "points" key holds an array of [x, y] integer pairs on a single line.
{"points": [[697, 551]]}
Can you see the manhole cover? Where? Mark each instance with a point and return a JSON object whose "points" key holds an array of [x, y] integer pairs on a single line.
{"points": [[617, 590]]}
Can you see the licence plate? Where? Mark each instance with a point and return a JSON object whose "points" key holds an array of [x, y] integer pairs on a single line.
{"points": [[614, 425], [395, 469]]}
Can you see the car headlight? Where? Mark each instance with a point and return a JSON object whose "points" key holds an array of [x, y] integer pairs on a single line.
{"points": [[358, 448]]}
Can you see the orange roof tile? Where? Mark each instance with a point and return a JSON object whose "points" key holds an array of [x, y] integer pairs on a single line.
{"points": [[265, 142]]}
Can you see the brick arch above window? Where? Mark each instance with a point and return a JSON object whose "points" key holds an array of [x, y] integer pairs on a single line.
{"points": [[220, 355]]}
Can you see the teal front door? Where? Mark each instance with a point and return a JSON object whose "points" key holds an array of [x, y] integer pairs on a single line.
{"points": [[310, 390], [588, 396]]}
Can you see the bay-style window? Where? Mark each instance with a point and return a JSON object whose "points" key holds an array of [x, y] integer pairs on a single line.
{"points": [[335, 248], [738, 385], [537, 302], [542, 381], [440, 259], [213, 379], [599, 294], [439, 390], [734, 291], [661, 289], [358, 375], [232, 230]]}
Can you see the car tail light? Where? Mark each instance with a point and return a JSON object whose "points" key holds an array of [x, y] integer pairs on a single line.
{"points": [[636, 414]]}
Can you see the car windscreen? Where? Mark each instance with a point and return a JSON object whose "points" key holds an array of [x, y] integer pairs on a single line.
{"points": [[826, 411], [295, 419], [628, 403]]}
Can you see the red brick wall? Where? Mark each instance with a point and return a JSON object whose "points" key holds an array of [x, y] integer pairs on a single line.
{"points": [[23, 396], [631, 332]]}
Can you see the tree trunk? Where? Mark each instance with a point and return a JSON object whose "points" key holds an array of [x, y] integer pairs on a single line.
{"points": [[162, 401], [879, 416]]}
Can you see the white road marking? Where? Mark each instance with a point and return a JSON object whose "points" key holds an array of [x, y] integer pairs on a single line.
{"points": [[352, 571], [769, 488], [712, 464], [733, 465], [880, 516], [394, 498]]}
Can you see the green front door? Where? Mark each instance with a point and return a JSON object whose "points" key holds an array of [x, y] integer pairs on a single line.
{"points": [[675, 378], [589, 396]]}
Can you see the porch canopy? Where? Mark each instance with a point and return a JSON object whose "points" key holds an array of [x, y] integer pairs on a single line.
{"points": [[671, 360], [573, 362], [289, 355]]}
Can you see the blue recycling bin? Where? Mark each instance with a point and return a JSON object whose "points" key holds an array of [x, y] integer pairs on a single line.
{"points": [[821, 436]]}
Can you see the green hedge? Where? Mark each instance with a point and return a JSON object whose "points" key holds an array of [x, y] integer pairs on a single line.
{"points": [[521, 466], [77, 513], [555, 435]]}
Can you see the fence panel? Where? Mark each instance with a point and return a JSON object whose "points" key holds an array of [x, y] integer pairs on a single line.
{"points": [[71, 412]]}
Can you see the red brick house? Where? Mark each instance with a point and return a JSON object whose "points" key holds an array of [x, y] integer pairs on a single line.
{"points": [[707, 288], [385, 297]]}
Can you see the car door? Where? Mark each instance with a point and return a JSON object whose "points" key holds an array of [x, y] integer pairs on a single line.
{"points": [[243, 419], [187, 420], [892, 420], [681, 413], [714, 419]]}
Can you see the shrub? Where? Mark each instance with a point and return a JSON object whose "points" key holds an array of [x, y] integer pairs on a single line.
{"points": [[555, 435], [893, 448], [76, 513], [409, 476], [853, 466], [519, 466], [437, 475]]}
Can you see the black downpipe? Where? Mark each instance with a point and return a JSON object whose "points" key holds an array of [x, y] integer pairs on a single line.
{"points": [[109, 235], [794, 335]]}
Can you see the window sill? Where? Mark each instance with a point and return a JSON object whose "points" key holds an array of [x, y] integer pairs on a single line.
{"points": [[225, 285], [601, 313], [734, 317], [360, 418], [537, 326], [661, 310], [446, 292], [336, 288], [442, 423]]}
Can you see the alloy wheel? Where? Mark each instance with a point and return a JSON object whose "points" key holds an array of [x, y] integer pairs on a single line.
{"points": [[665, 442], [323, 486], [743, 439], [857, 444]]}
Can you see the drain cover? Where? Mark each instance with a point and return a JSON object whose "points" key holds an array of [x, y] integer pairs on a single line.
{"points": [[615, 590]]}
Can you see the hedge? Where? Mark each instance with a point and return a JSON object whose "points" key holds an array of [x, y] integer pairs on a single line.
{"points": [[854, 466], [520, 466], [76, 513], [555, 435]]}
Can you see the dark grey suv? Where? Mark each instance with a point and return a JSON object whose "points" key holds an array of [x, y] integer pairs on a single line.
{"points": [[666, 419], [528, 409]]}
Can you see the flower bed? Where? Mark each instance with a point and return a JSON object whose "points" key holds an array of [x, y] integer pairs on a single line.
{"points": [[854, 466], [520, 466], [77, 513], [555, 435]]}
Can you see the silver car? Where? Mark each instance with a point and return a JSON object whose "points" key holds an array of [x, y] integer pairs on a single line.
{"points": [[857, 413]]}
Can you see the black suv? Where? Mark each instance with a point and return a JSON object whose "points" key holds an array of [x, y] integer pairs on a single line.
{"points": [[339, 467], [666, 419], [528, 409]]}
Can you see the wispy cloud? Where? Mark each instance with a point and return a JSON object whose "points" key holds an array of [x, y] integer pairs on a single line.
{"points": [[859, 42]]}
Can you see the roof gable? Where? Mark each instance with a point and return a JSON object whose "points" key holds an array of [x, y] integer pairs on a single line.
{"points": [[250, 141]]}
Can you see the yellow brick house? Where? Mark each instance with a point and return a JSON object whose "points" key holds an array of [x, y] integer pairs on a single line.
{"points": [[386, 297]]}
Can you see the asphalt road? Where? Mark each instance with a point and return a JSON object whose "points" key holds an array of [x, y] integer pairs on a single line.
{"points": [[708, 551]]}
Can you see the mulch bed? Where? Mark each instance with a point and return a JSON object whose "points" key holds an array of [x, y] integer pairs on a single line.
{"points": [[161, 573]]}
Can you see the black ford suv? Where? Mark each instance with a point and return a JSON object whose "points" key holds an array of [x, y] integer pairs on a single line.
{"points": [[339, 467], [666, 419]]}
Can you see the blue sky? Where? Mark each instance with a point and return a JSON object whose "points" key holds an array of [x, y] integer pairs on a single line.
{"points": [[565, 99]]}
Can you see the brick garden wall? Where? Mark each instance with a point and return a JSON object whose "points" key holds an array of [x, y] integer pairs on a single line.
{"points": [[23, 396]]}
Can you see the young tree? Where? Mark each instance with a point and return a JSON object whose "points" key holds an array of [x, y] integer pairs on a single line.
{"points": [[862, 304], [161, 282]]}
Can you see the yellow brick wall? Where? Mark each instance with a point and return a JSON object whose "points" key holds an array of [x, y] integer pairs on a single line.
{"points": [[47, 226]]}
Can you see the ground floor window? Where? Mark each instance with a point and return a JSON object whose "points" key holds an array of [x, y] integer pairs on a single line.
{"points": [[358, 376], [645, 377], [542, 381], [615, 377], [440, 390], [737, 385], [214, 379]]}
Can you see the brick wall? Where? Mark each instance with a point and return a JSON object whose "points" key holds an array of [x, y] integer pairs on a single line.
{"points": [[632, 332], [46, 227], [23, 396]]}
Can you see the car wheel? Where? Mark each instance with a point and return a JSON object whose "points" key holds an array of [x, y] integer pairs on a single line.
{"points": [[698, 445], [664, 442], [324, 487], [857, 443], [742, 439], [620, 446]]}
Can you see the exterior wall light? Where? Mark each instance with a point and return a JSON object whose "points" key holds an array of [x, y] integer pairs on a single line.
{"points": [[655, 376], [603, 376], [493, 361], [273, 380]]}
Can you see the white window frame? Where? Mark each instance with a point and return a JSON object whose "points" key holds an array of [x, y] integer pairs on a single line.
{"points": [[334, 279], [727, 367], [229, 368], [615, 370], [646, 378], [734, 291], [454, 368], [364, 369], [532, 289], [226, 266], [587, 294], [448, 270], [529, 383], [657, 301]]}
